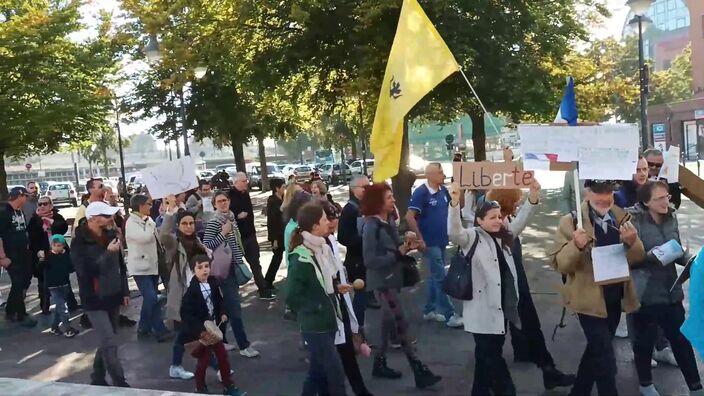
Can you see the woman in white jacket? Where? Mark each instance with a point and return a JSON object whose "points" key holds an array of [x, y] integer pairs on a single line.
{"points": [[495, 288], [143, 265]]}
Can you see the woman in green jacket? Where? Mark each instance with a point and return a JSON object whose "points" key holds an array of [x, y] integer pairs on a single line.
{"points": [[312, 293]]}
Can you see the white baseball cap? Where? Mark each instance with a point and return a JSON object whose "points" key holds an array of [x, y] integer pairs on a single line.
{"points": [[100, 209]]}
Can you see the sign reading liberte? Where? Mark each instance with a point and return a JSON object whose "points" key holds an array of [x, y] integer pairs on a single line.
{"points": [[491, 175]]}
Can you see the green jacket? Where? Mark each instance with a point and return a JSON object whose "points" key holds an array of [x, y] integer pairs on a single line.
{"points": [[306, 294]]}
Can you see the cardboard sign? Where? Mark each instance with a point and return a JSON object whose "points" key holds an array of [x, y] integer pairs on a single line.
{"points": [[173, 177], [491, 175]]}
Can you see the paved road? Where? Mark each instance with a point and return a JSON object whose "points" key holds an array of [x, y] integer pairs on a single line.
{"points": [[36, 354]]}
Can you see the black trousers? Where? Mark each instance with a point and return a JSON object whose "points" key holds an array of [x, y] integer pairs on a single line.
{"points": [[21, 276], [274, 264], [491, 375], [598, 364], [528, 342], [349, 356], [646, 323], [251, 253]]}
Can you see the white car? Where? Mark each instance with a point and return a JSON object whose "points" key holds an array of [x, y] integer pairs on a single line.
{"points": [[357, 168], [62, 192], [332, 174]]}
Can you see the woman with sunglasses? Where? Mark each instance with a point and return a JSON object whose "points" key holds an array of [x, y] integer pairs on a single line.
{"points": [[662, 307], [495, 287], [180, 247], [45, 222]]}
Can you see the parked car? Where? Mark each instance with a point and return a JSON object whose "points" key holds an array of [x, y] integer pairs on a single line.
{"points": [[335, 174], [207, 174], [224, 167], [357, 168], [62, 192], [302, 172], [255, 175]]}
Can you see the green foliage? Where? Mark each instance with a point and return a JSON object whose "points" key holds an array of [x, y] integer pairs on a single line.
{"points": [[52, 89], [675, 83]]}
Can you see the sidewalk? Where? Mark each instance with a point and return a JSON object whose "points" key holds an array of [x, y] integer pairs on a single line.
{"points": [[37, 355]]}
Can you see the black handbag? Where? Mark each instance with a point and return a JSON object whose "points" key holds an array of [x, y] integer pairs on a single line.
{"points": [[458, 281], [410, 272]]}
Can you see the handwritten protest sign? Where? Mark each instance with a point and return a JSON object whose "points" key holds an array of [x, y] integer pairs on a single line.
{"points": [[491, 175], [610, 264], [608, 151], [173, 177], [670, 170]]}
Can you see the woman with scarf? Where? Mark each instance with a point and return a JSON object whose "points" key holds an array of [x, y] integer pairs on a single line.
{"points": [[383, 252], [222, 228], [495, 285], [45, 222], [313, 292], [180, 247], [528, 341], [349, 332]]}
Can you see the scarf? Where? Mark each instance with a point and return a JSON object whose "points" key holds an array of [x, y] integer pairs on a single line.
{"points": [[190, 244], [329, 264], [223, 217], [46, 215]]}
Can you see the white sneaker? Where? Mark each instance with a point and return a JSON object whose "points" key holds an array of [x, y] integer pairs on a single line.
{"points": [[455, 321], [434, 317], [249, 352], [665, 356], [653, 363], [220, 376], [649, 391], [622, 329], [229, 347], [430, 316], [178, 372]]}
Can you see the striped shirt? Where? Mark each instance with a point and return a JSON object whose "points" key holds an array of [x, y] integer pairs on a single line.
{"points": [[213, 238]]}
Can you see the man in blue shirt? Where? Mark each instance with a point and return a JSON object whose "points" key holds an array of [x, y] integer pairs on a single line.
{"points": [[427, 217]]}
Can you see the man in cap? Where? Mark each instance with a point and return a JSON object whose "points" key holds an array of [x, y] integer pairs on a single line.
{"points": [[97, 255], [598, 306], [13, 232]]}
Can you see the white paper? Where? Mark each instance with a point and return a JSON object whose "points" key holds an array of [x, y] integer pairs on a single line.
{"points": [[609, 262], [668, 252], [208, 205], [172, 177], [671, 167], [607, 163]]}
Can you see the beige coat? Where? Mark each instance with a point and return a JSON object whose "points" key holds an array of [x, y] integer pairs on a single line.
{"points": [[580, 294]]}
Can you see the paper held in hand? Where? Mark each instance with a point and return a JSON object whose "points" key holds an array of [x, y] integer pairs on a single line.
{"points": [[170, 178], [610, 264], [491, 175]]}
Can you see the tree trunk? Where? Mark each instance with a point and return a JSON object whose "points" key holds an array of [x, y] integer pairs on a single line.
{"points": [[106, 163], [262, 164], [354, 146], [3, 178], [238, 152], [403, 181], [478, 135], [90, 167]]}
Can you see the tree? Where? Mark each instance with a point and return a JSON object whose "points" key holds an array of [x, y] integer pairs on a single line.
{"points": [[674, 84], [52, 90]]}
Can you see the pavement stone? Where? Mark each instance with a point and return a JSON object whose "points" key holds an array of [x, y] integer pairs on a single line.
{"points": [[37, 355]]}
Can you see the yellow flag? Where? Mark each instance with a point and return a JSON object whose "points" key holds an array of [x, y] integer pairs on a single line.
{"points": [[419, 61]]}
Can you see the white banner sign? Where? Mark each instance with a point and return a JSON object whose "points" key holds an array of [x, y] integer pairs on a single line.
{"points": [[608, 151], [671, 167], [173, 177]]}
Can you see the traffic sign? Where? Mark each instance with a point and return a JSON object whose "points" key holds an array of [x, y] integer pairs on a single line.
{"points": [[28, 166]]}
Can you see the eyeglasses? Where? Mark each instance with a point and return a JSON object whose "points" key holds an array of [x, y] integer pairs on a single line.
{"points": [[664, 197], [44, 203], [654, 164]]}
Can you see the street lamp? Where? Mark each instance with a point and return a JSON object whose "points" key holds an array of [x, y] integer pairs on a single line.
{"points": [[641, 22], [125, 202], [199, 72]]}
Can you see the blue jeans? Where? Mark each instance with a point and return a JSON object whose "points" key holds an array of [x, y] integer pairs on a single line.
{"points": [[231, 298], [58, 295], [326, 376], [150, 319], [437, 300]]}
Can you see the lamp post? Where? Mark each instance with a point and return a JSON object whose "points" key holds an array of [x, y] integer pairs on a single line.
{"points": [[122, 158], [641, 22], [154, 55]]}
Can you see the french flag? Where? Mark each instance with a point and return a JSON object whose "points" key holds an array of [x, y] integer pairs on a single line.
{"points": [[541, 157], [568, 114]]}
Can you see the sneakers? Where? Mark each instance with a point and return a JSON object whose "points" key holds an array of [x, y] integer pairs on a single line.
{"points": [[665, 356], [71, 332], [178, 372], [220, 376], [622, 329], [649, 391], [455, 321], [434, 317], [249, 352], [229, 347], [653, 363], [266, 295], [56, 331]]}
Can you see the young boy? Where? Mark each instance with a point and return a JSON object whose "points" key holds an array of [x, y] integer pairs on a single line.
{"points": [[203, 301], [58, 268]]}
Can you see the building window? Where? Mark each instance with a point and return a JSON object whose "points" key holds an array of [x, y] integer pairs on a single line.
{"points": [[671, 5]]}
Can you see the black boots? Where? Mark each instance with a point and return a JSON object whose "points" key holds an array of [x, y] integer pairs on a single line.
{"points": [[553, 378], [424, 377], [381, 370]]}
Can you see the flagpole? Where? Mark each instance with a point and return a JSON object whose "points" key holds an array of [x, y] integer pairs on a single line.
{"points": [[491, 119], [577, 196]]}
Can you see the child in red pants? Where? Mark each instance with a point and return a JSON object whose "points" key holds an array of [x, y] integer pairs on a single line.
{"points": [[203, 301]]}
